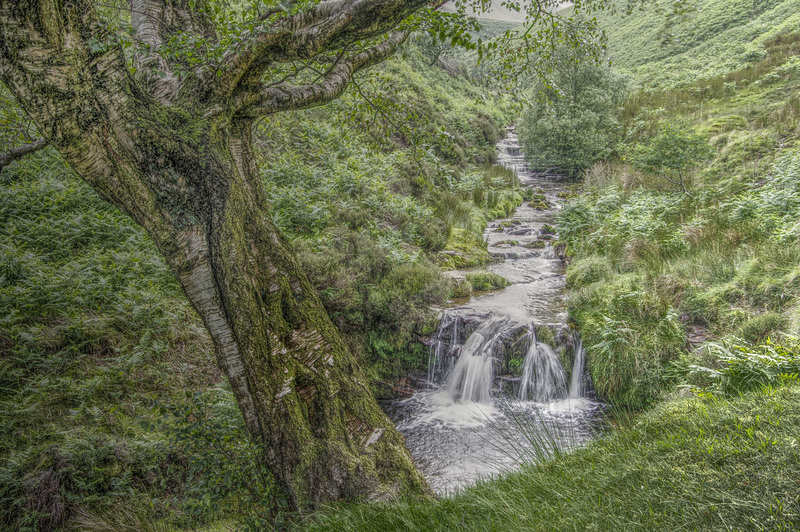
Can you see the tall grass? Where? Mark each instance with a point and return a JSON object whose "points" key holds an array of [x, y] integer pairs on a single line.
{"points": [[699, 464]]}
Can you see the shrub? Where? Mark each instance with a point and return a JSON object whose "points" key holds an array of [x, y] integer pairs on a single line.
{"points": [[672, 154], [747, 366], [573, 121]]}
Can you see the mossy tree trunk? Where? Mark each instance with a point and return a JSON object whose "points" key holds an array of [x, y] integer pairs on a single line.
{"points": [[175, 153]]}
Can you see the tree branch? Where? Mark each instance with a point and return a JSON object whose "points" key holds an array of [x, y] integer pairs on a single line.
{"points": [[18, 153], [327, 26], [285, 98]]}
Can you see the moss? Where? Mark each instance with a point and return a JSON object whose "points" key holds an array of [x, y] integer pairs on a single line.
{"points": [[483, 281], [536, 244]]}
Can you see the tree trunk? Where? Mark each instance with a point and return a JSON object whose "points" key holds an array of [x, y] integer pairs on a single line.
{"points": [[188, 177], [298, 386]]}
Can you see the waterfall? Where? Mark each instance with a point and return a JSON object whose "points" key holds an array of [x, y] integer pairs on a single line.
{"points": [[472, 376], [543, 377], [444, 348], [576, 389]]}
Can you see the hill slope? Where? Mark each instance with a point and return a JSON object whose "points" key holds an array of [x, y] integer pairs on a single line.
{"points": [[717, 37]]}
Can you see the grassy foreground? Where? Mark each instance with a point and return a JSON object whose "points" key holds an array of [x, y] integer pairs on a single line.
{"points": [[706, 463]]}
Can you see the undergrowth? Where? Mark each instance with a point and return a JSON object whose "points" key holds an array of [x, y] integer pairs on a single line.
{"points": [[657, 270], [95, 331]]}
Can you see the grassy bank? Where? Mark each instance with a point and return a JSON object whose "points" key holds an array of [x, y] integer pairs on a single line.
{"points": [[706, 463], [656, 271]]}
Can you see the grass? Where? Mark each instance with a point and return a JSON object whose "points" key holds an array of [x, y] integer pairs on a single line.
{"points": [[652, 267], [707, 463], [715, 38]]}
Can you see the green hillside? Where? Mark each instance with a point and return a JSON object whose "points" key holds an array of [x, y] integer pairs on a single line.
{"points": [[686, 293], [715, 38], [113, 412]]}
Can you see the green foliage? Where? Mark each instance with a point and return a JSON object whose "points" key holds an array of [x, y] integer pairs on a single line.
{"points": [[759, 327], [672, 154], [93, 323], [746, 367], [573, 121], [94, 327], [369, 213], [482, 281], [224, 471], [707, 463], [725, 258], [715, 38]]}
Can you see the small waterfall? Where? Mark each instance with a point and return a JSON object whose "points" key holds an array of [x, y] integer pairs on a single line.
{"points": [[576, 387], [445, 346], [473, 375], [543, 377]]}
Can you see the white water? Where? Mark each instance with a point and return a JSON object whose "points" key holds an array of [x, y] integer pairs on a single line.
{"points": [[459, 430], [445, 347], [543, 377], [472, 376], [576, 388]]}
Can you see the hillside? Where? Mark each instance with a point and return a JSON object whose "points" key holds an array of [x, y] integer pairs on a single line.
{"points": [[654, 267], [715, 38], [110, 396], [115, 416], [687, 298]]}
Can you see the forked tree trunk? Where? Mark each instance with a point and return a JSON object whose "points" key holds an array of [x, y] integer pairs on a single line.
{"points": [[189, 178]]}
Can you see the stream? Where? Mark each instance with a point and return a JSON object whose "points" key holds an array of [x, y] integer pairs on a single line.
{"points": [[506, 379]]}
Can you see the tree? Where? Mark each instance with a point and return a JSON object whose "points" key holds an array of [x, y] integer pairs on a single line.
{"points": [[573, 120], [672, 154], [160, 126]]}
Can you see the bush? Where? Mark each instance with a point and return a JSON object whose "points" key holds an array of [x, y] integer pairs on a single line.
{"points": [[760, 327], [672, 154], [574, 121], [747, 366]]}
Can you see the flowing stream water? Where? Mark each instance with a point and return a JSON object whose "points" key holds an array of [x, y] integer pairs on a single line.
{"points": [[504, 367]]}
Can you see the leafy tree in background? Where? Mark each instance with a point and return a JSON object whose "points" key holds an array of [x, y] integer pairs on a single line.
{"points": [[153, 104], [672, 154], [573, 118]]}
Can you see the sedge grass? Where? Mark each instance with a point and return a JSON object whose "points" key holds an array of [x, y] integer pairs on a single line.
{"points": [[706, 463]]}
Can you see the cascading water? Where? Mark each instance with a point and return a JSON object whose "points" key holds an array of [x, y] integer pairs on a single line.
{"points": [[488, 349], [444, 348], [472, 376], [543, 377], [576, 385]]}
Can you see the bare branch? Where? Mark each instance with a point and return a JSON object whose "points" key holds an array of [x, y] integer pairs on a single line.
{"points": [[329, 25], [284, 98], [18, 153]]}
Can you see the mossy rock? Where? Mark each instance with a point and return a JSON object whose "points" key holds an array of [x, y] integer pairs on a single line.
{"points": [[502, 226], [506, 243], [460, 287], [548, 230], [539, 205], [536, 244], [484, 281]]}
